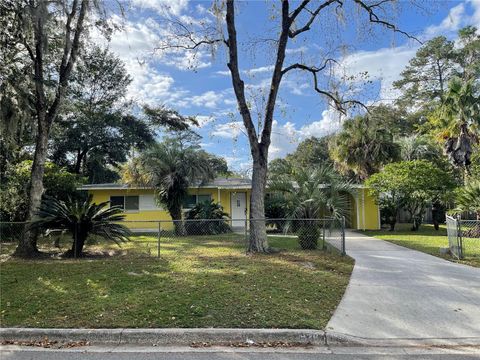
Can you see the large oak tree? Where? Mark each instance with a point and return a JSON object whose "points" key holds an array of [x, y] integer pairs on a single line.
{"points": [[295, 19]]}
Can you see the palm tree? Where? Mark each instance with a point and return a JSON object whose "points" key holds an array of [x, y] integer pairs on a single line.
{"points": [[419, 147], [459, 121], [313, 193], [171, 167], [363, 146], [467, 198], [81, 218]]}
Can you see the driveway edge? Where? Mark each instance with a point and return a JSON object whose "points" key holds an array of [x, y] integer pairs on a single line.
{"points": [[169, 337], [337, 339]]}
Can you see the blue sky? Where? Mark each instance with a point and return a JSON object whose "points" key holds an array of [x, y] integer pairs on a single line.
{"points": [[199, 84]]}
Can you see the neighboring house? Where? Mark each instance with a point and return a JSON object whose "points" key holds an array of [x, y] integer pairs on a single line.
{"points": [[232, 193]]}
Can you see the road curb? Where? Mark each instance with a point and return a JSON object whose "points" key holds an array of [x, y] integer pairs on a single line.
{"points": [[218, 336], [168, 337], [338, 339]]}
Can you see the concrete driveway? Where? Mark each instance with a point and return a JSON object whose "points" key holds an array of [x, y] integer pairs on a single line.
{"points": [[398, 293]]}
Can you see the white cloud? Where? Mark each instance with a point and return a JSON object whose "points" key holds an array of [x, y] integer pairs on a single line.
{"points": [[204, 119], [209, 99], [299, 50], [286, 137], [384, 65], [451, 23], [250, 72], [259, 70], [163, 7], [151, 86], [475, 18], [330, 123], [229, 130], [187, 60], [223, 72]]}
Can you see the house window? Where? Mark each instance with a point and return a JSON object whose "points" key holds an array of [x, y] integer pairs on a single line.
{"points": [[203, 198], [192, 200], [117, 201], [129, 203]]}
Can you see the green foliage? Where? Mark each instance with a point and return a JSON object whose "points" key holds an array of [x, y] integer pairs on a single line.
{"points": [[419, 147], [364, 145], [312, 193], [14, 192], [311, 152], [207, 210], [441, 83], [410, 184], [458, 121], [94, 133], [168, 118], [276, 208], [171, 167], [81, 218], [425, 78], [467, 198], [308, 236]]}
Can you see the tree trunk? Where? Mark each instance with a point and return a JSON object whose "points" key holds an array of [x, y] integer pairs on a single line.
{"points": [[178, 224], [27, 246], [258, 233], [79, 240], [392, 224]]}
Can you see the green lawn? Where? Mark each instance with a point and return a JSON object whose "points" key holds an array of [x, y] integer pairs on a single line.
{"points": [[427, 239], [198, 282]]}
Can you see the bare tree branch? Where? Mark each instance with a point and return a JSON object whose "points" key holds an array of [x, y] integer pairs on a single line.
{"points": [[374, 18], [339, 104], [314, 14], [189, 39]]}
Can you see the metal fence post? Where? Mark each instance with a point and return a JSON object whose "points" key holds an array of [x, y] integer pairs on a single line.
{"points": [[459, 238], [246, 235], [323, 234], [75, 241], [158, 238]]}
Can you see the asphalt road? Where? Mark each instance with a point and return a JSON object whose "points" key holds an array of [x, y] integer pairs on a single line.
{"points": [[149, 353]]}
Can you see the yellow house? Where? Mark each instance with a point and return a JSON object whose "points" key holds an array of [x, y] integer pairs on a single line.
{"points": [[232, 193], [140, 205]]}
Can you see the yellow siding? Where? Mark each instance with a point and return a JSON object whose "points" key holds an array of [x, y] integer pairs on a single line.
{"points": [[162, 215], [366, 211]]}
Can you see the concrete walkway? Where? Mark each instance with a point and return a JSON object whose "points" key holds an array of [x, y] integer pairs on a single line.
{"points": [[398, 293]]}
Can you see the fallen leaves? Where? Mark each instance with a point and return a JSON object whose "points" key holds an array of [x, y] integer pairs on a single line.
{"points": [[46, 343]]}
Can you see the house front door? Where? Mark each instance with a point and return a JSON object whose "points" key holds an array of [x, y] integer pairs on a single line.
{"points": [[238, 204]]}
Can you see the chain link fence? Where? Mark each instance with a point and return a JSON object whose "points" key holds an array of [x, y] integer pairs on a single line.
{"points": [[463, 237], [154, 238]]}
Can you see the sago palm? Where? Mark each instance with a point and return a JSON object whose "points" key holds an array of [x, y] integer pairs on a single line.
{"points": [[81, 218]]}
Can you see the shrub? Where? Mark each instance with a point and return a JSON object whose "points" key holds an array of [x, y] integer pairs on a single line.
{"points": [[81, 218], [308, 237], [204, 212]]}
